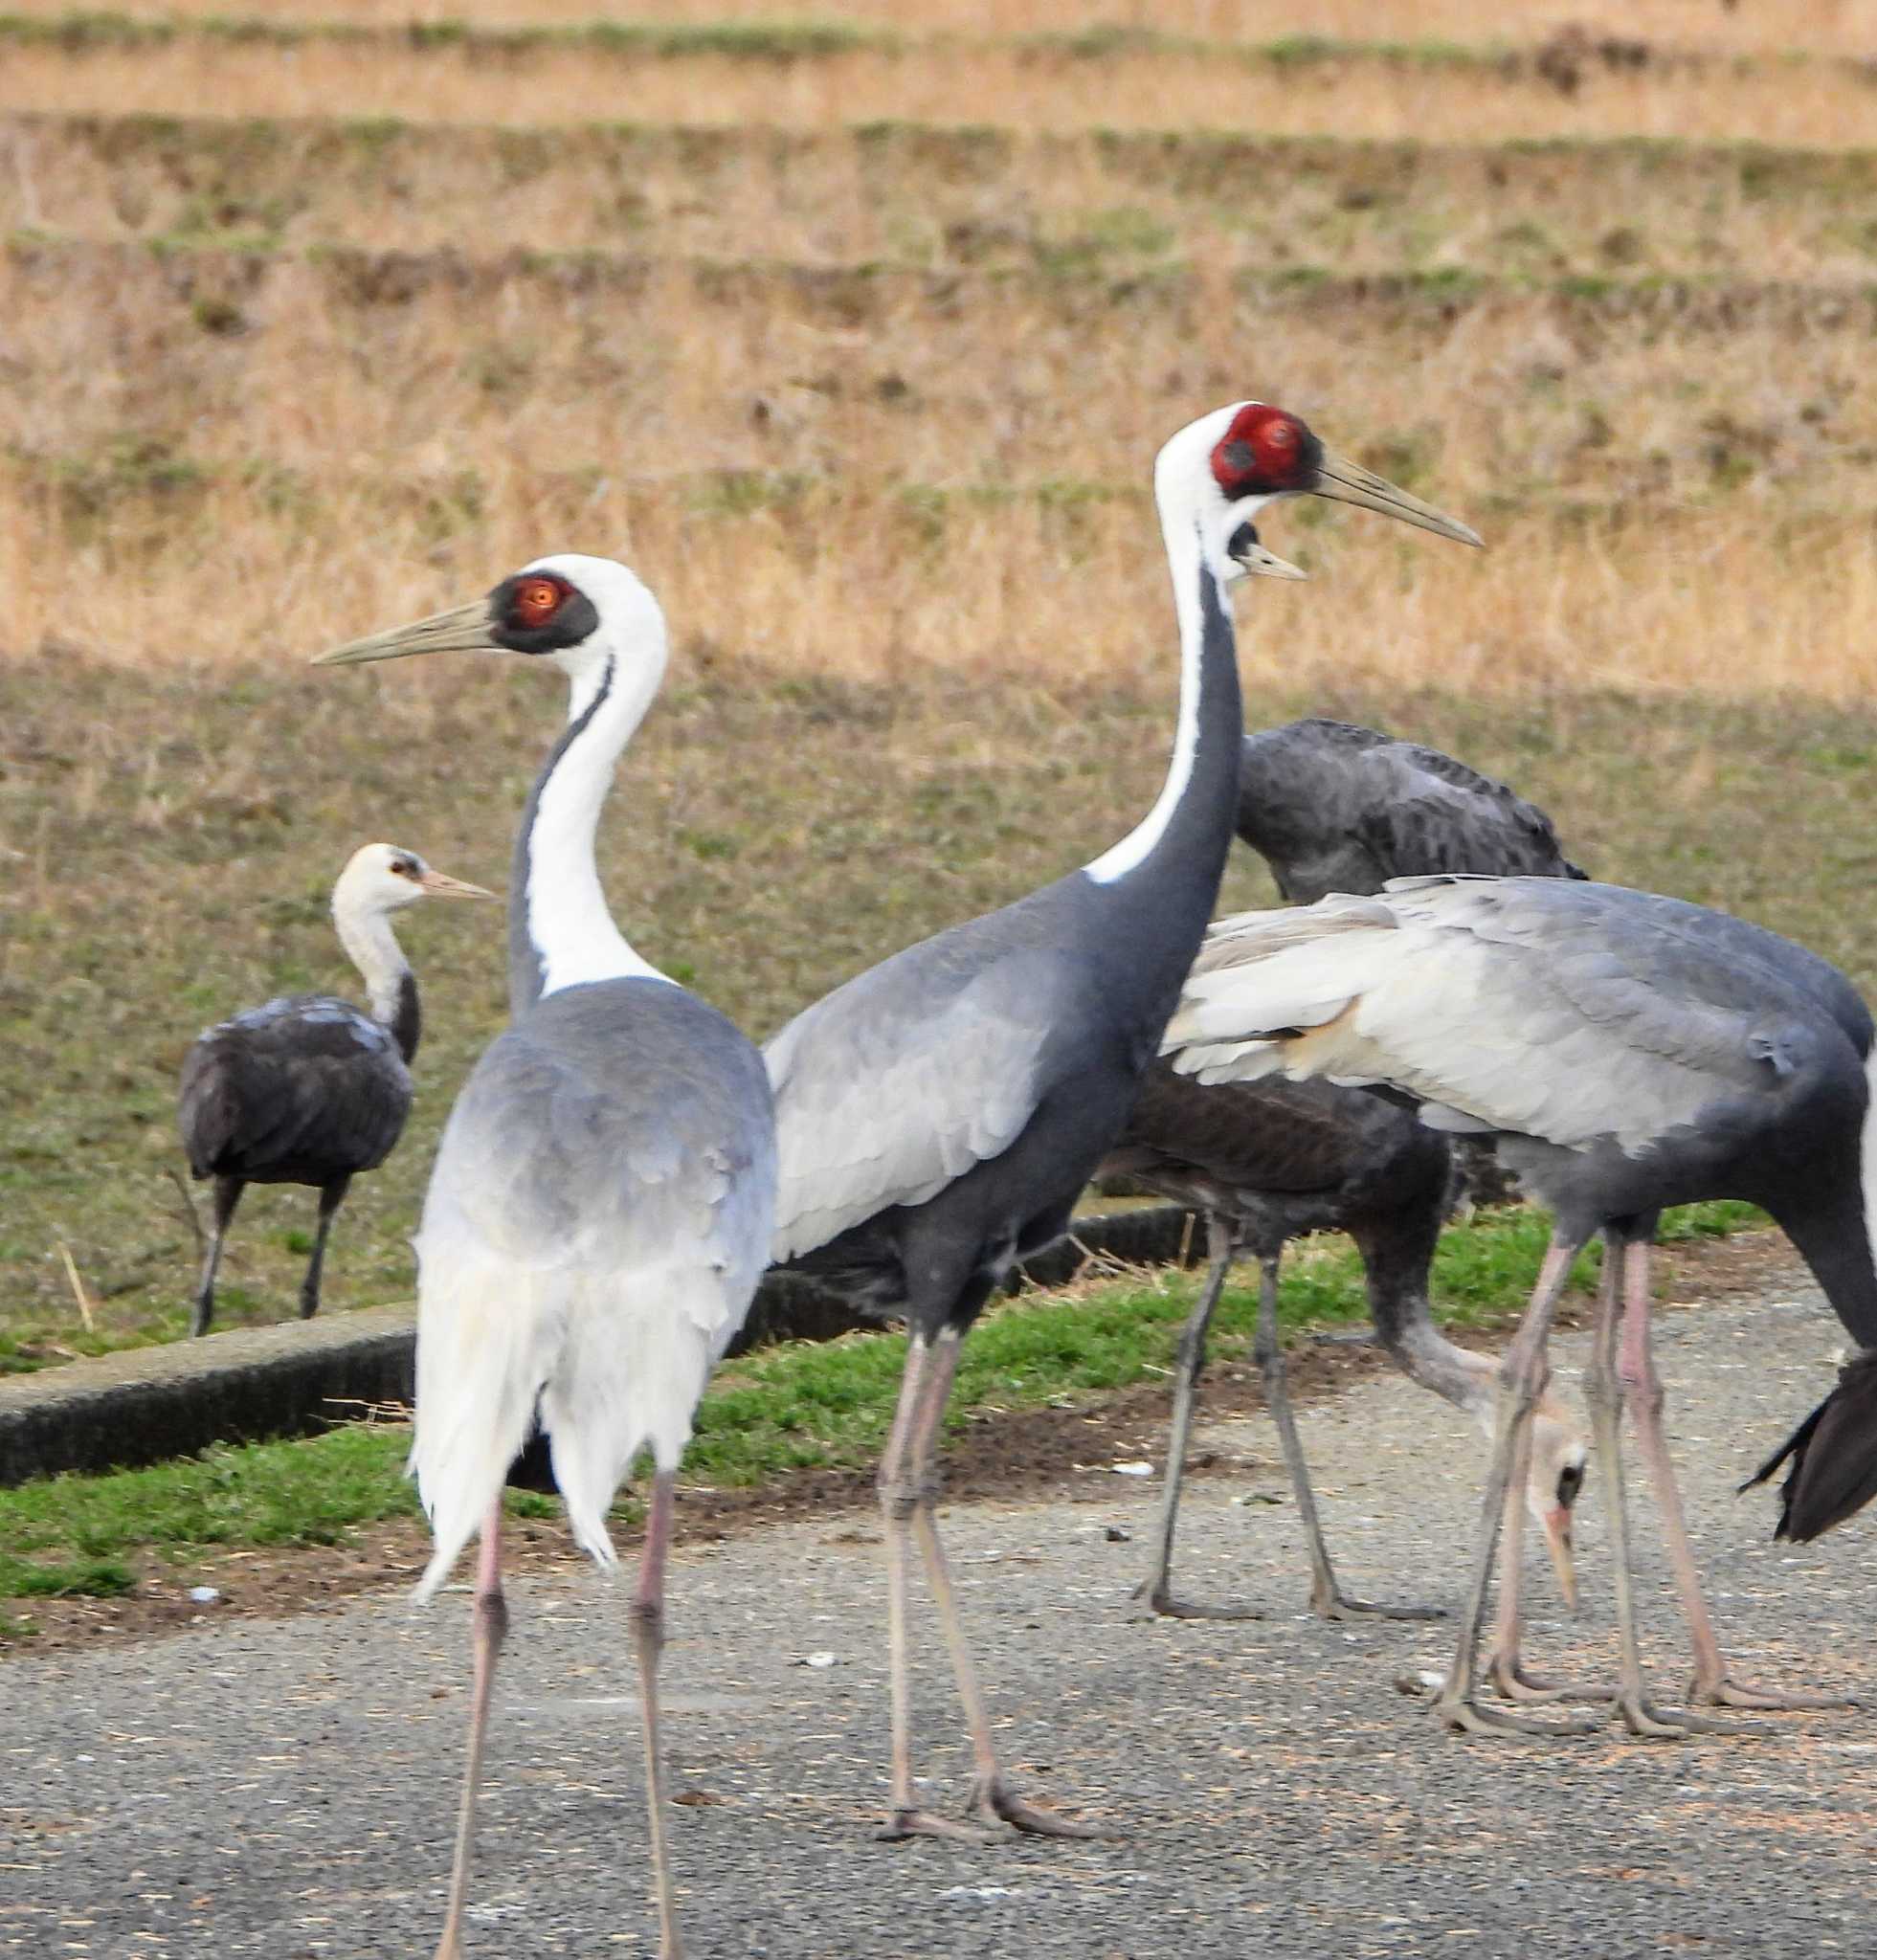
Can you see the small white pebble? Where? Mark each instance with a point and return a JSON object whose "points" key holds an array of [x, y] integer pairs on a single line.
{"points": [[204, 1595], [822, 1659], [1134, 1469]]}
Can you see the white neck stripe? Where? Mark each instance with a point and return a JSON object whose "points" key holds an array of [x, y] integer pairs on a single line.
{"points": [[569, 923], [1134, 849]]}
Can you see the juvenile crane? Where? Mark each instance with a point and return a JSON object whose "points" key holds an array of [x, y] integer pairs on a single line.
{"points": [[1332, 806], [1628, 1051], [307, 1088], [938, 1115], [604, 1194]]}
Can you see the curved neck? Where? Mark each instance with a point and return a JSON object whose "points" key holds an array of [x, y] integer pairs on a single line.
{"points": [[389, 984], [560, 932], [1184, 838]]}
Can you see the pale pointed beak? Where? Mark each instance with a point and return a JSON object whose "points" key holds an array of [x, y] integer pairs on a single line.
{"points": [[1564, 1558], [461, 630], [1347, 483], [1255, 561], [439, 885]]}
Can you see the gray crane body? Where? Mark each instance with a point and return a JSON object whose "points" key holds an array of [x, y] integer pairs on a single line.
{"points": [[1332, 806]]}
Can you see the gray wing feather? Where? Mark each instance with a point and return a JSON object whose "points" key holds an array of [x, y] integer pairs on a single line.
{"points": [[304, 1087], [898, 1082]]}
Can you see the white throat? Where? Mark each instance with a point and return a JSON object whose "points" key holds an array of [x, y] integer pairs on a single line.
{"points": [[365, 931], [1182, 526], [569, 923]]}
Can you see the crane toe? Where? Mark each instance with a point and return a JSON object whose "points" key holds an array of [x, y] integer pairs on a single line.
{"points": [[904, 1824], [1729, 1693], [992, 1799]]}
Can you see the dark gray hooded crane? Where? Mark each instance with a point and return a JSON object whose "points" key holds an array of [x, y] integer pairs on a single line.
{"points": [[1630, 1052], [938, 1115], [307, 1088], [604, 1193]]}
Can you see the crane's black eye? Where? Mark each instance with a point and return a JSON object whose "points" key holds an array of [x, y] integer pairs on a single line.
{"points": [[407, 866], [1243, 543], [1570, 1482]]}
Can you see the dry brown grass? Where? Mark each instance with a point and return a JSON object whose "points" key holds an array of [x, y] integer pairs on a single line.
{"points": [[1835, 25], [1820, 104], [849, 473], [957, 200]]}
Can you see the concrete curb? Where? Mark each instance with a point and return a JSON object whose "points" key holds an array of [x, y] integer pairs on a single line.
{"points": [[253, 1382]]}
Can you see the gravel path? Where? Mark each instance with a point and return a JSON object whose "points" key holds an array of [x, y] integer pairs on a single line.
{"points": [[285, 1789]]}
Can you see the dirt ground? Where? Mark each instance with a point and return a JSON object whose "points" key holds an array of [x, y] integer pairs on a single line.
{"points": [[285, 1786]]}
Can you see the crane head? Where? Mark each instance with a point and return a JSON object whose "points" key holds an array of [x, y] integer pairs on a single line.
{"points": [[571, 608], [1552, 1487], [1254, 453], [386, 877]]}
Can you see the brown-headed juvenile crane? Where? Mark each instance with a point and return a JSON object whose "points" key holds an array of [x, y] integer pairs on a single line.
{"points": [[307, 1088], [939, 1115]]}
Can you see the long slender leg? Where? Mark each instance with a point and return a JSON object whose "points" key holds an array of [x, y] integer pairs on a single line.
{"points": [[1712, 1686], [1328, 1599], [1506, 1667], [331, 1197], [990, 1796], [648, 1634], [228, 1195], [1154, 1593], [1521, 1376], [491, 1628], [899, 1495], [1603, 1391]]}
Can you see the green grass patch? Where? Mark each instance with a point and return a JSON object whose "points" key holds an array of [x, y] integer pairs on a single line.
{"points": [[800, 1406]]}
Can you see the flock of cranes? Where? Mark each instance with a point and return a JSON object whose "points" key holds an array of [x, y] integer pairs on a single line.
{"points": [[623, 1163]]}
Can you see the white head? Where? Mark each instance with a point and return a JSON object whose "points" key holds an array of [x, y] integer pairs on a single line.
{"points": [[1551, 1489], [1219, 472], [379, 879], [582, 613]]}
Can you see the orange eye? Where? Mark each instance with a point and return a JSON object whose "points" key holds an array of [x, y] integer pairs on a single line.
{"points": [[537, 600]]}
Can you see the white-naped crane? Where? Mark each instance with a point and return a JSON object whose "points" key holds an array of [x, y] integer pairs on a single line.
{"points": [[307, 1088], [1334, 807], [1273, 1161], [939, 1115], [604, 1194], [1628, 1051]]}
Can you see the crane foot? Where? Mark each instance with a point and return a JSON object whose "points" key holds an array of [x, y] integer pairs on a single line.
{"points": [[1465, 1717], [1163, 1605], [1727, 1693], [902, 1824], [1642, 1718], [992, 1799], [1508, 1674], [1339, 1606]]}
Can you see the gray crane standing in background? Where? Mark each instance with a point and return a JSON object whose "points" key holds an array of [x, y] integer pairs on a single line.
{"points": [[604, 1194], [1628, 1051], [939, 1115], [1333, 807], [307, 1088]]}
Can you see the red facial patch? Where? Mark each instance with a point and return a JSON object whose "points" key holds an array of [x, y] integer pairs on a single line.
{"points": [[537, 598], [1265, 450]]}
